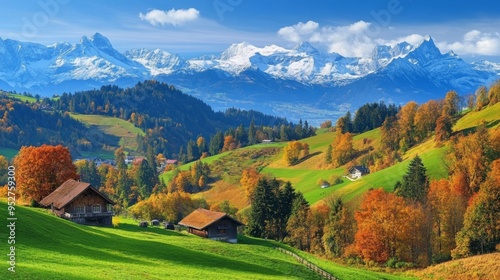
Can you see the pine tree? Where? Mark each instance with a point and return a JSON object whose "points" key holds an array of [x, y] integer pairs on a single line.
{"points": [[259, 214], [252, 134], [264, 210], [285, 199], [216, 143], [415, 185]]}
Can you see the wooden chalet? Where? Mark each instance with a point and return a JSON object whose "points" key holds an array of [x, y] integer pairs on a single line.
{"points": [[357, 172], [212, 225], [79, 202]]}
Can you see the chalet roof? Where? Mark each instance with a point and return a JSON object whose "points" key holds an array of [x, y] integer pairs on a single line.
{"points": [[202, 218], [67, 192], [359, 168]]}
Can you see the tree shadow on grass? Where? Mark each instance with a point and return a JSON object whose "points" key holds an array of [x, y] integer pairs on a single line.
{"points": [[307, 157], [155, 229], [102, 245], [470, 130]]}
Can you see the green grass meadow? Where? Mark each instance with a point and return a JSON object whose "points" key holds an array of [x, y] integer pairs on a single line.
{"points": [[124, 131], [48, 247], [490, 115], [8, 153]]}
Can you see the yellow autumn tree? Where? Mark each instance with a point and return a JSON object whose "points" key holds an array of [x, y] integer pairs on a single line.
{"points": [[295, 151], [343, 149]]}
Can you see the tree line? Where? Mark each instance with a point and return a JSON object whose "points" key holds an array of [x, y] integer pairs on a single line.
{"points": [[169, 117], [25, 124]]}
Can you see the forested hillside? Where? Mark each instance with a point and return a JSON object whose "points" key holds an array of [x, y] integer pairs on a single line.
{"points": [[169, 117], [26, 124]]}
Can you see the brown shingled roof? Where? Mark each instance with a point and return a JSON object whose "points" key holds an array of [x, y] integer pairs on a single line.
{"points": [[202, 218], [67, 192]]}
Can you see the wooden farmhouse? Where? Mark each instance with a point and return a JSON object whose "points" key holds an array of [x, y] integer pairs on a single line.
{"points": [[211, 224], [79, 202], [357, 172]]}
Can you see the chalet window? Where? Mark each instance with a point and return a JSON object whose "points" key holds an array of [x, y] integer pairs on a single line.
{"points": [[109, 207], [222, 231], [96, 208], [80, 209]]}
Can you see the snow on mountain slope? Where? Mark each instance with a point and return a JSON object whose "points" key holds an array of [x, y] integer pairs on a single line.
{"points": [[95, 58], [156, 61], [487, 66], [32, 67], [304, 74]]}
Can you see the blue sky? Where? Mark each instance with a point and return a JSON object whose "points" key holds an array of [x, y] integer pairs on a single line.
{"points": [[188, 27]]}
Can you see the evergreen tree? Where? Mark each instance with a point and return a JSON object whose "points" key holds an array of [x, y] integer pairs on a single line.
{"points": [[240, 135], [192, 151], [123, 183], [182, 157], [144, 179], [252, 134], [284, 135], [285, 200], [259, 211], [216, 143], [88, 173], [151, 160], [415, 185], [264, 209]]}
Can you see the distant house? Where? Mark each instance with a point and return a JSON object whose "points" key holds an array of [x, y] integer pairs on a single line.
{"points": [[138, 160], [129, 159], [79, 202], [357, 172], [267, 141], [211, 224], [170, 161]]}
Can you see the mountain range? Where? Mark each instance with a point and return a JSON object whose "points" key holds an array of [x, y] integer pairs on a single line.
{"points": [[301, 82]]}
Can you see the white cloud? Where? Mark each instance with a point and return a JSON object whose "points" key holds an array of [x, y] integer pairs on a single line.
{"points": [[356, 40], [173, 17], [412, 39], [349, 40], [295, 33], [475, 42]]}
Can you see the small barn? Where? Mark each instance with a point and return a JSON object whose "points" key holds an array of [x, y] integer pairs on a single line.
{"points": [[79, 202], [212, 225], [357, 172]]}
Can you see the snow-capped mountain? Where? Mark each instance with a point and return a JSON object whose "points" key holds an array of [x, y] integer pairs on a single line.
{"points": [[245, 75]]}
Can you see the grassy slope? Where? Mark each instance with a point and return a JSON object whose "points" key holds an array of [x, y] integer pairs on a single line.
{"points": [[48, 247], [21, 97], [305, 175], [491, 115], [478, 267], [8, 153], [125, 131]]}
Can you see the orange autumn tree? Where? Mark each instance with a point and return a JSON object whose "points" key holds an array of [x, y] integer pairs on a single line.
{"points": [[448, 206], [40, 170], [249, 179], [388, 228]]}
